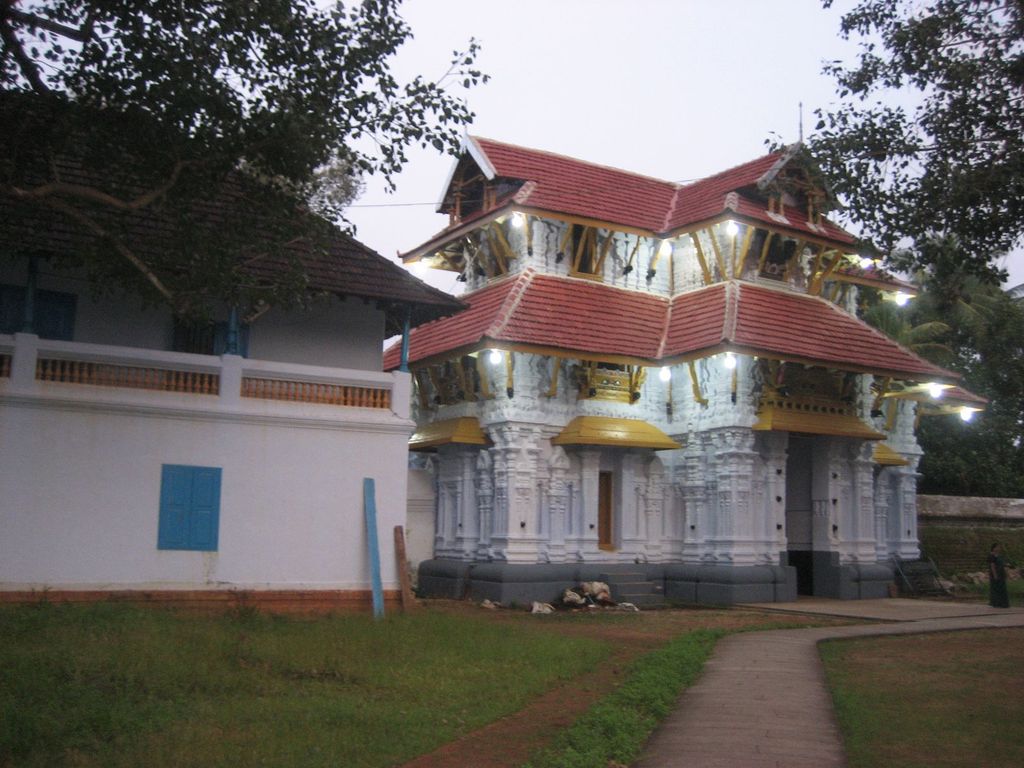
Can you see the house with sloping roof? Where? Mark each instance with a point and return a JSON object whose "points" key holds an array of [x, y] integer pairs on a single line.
{"points": [[662, 386], [200, 461]]}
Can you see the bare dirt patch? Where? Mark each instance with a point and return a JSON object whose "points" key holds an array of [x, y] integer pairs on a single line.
{"points": [[509, 742]]}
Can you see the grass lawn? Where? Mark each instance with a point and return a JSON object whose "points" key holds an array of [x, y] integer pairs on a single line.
{"points": [[949, 700], [115, 685]]}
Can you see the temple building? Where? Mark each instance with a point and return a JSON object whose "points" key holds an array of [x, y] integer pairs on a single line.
{"points": [[664, 386]]}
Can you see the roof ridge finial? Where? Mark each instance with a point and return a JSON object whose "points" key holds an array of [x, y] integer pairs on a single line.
{"points": [[800, 134]]}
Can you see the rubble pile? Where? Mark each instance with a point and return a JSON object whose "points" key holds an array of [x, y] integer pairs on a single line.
{"points": [[587, 596]]}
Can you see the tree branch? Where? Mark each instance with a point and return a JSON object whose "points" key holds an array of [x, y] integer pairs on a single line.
{"points": [[11, 42], [120, 247], [81, 35], [83, 192]]}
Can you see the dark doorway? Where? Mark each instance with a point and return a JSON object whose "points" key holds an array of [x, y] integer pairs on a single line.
{"points": [[799, 530], [604, 512]]}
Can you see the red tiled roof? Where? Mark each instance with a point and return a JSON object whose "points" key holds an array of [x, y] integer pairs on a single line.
{"points": [[811, 328], [964, 396], [594, 319], [575, 187], [571, 186], [545, 310]]}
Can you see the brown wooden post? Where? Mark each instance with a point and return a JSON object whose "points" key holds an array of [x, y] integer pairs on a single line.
{"points": [[408, 602]]}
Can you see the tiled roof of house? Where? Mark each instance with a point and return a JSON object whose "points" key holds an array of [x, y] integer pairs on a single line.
{"points": [[591, 319], [335, 263], [574, 187]]}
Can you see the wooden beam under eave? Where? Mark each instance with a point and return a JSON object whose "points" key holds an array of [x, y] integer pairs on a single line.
{"points": [[794, 260], [599, 267], [585, 221], [698, 396], [756, 224], [764, 251], [701, 260], [741, 260], [503, 241], [718, 253], [499, 257]]}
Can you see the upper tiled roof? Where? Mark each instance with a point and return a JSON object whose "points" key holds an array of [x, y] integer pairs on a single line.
{"points": [[567, 185], [591, 319], [574, 187]]}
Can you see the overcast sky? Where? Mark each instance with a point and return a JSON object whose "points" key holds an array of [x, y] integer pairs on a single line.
{"points": [[676, 89]]}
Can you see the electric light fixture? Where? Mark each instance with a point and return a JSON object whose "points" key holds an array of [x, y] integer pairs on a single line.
{"points": [[935, 390], [665, 374], [967, 413], [666, 249], [518, 220], [901, 298], [729, 361], [495, 357], [732, 228]]}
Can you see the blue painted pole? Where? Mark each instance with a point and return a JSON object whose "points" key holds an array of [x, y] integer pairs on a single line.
{"points": [[231, 345], [28, 324], [373, 547], [403, 366]]}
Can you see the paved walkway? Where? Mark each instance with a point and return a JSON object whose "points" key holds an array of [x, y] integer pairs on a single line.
{"points": [[762, 698]]}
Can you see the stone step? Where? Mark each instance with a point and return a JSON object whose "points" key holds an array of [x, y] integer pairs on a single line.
{"points": [[620, 577], [621, 590]]}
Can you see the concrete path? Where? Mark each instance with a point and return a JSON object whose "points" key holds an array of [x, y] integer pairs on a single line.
{"points": [[762, 698]]}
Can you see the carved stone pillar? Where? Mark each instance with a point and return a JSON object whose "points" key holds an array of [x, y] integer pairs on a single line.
{"points": [[655, 510], [862, 539], [883, 513], [827, 489], [628, 512], [558, 495], [484, 503], [906, 496], [590, 468], [734, 541], [693, 485], [773, 450], [516, 521]]}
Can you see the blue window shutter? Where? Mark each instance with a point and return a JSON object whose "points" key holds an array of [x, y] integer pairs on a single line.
{"points": [[189, 507], [205, 508]]}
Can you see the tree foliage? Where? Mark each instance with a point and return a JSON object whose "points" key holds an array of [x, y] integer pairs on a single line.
{"points": [[119, 109], [928, 139], [981, 330]]}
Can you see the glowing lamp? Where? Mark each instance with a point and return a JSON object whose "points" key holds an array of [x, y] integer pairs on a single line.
{"points": [[495, 357], [729, 361], [665, 374], [732, 228], [901, 298], [966, 413], [866, 263], [518, 220], [419, 268], [935, 390], [665, 249]]}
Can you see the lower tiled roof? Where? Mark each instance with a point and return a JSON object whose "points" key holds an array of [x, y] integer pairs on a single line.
{"points": [[591, 319]]}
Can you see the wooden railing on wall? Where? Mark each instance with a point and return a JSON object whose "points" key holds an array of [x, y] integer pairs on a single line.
{"points": [[127, 376], [306, 392]]}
